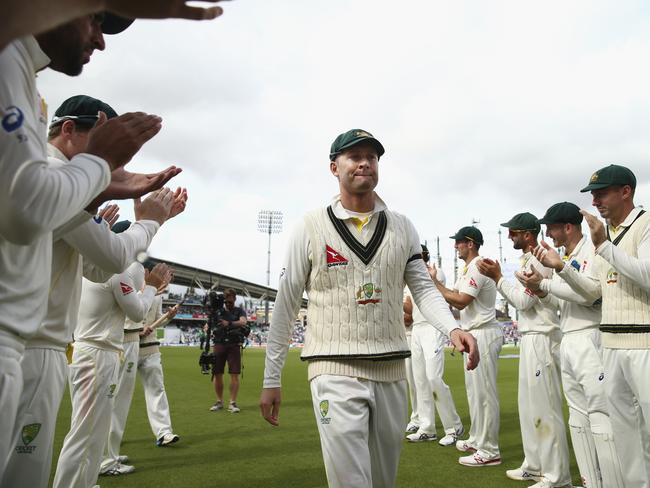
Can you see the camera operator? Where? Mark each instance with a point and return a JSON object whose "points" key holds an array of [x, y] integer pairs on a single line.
{"points": [[229, 336]]}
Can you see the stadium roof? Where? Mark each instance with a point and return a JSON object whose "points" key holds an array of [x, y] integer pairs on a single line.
{"points": [[188, 276]]}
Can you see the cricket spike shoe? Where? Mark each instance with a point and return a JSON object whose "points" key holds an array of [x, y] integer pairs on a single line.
{"points": [[118, 469], [522, 475], [464, 446], [412, 428], [476, 460], [167, 439], [451, 438], [421, 437]]}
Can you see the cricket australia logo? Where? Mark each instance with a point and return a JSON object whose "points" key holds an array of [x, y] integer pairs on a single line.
{"points": [[324, 407], [368, 293], [612, 277], [28, 435]]}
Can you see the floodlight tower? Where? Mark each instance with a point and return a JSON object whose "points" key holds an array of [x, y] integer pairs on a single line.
{"points": [[269, 222]]}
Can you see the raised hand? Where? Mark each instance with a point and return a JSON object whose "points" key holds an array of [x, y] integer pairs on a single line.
{"points": [[596, 228], [180, 201], [489, 268], [110, 214], [117, 140], [163, 9], [156, 277], [548, 256], [155, 207]]}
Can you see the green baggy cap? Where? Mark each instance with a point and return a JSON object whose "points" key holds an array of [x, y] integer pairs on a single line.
{"points": [[469, 233], [82, 109], [352, 138], [613, 174], [525, 221], [562, 213]]}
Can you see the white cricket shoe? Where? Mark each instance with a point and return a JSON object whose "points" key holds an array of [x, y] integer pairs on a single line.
{"points": [[464, 446], [412, 428], [521, 475], [217, 406], [476, 460], [118, 470], [167, 439], [123, 459], [233, 408], [421, 437], [451, 438]]}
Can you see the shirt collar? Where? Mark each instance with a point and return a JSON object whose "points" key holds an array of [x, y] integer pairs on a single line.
{"points": [[54, 152], [39, 58], [630, 217], [576, 250], [342, 213]]}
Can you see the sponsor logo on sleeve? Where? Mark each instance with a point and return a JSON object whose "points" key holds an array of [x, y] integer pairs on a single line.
{"points": [[334, 258], [13, 119], [97, 219], [472, 283], [126, 289]]}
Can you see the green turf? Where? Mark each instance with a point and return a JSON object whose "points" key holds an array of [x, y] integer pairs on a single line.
{"points": [[219, 449]]}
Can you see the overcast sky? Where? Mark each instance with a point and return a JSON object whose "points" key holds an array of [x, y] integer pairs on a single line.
{"points": [[486, 109]]}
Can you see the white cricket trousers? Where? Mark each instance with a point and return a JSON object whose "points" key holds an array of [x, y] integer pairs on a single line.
{"points": [[121, 404], [44, 375], [428, 363], [153, 382], [628, 394], [93, 380], [540, 400], [361, 427], [482, 393], [413, 396], [11, 385], [583, 380]]}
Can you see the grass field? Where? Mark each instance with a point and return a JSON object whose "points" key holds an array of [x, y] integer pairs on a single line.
{"points": [[219, 449]]}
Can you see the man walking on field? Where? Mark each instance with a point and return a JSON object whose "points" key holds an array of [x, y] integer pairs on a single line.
{"points": [[353, 258]]}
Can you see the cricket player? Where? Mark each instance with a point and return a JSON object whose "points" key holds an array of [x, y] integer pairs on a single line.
{"points": [[353, 258], [621, 276], [151, 374], [95, 365], [35, 199], [475, 295], [428, 363], [583, 377], [543, 434], [414, 422], [44, 365], [133, 332]]}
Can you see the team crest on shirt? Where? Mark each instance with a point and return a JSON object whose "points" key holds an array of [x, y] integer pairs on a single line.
{"points": [[612, 277], [126, 289], [334, 258], [324, 407], [28, 434], [472, 283], [368, 293]]}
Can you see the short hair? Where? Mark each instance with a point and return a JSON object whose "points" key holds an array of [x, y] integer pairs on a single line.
{"points": [[229, 291], [55, 130]]}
